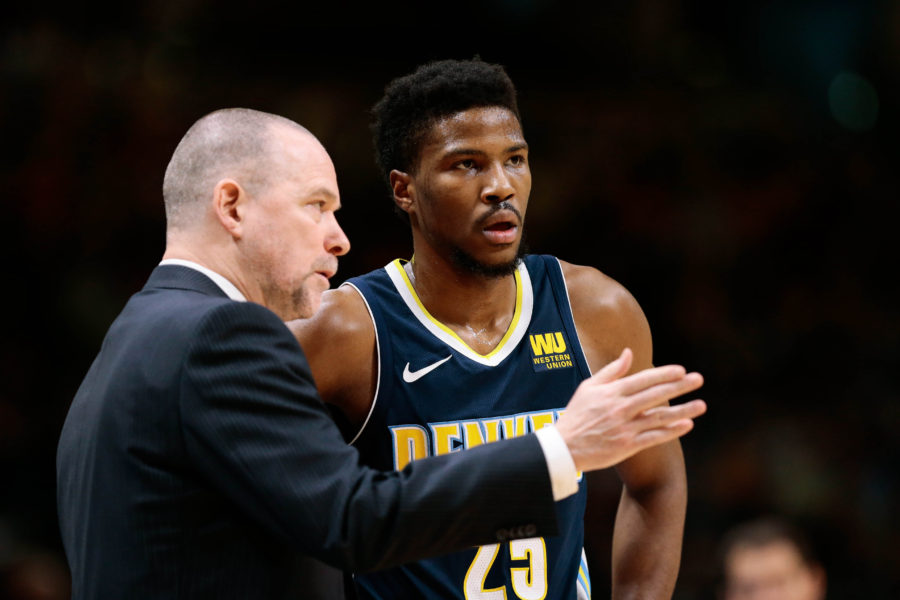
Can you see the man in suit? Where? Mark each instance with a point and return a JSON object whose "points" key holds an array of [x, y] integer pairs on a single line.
{"points": [[197, 460]]}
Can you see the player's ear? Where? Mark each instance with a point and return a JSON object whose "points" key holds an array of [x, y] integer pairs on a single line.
{"points": [[404, 192], [229, 204]]}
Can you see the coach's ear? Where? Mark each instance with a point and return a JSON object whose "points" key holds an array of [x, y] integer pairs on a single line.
{"points": [[229, 203], [404, 190]]}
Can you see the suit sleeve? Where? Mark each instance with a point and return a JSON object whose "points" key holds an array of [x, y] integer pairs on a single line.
{"points": [[255, 428]]}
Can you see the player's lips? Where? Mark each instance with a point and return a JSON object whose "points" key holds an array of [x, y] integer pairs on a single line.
{"points": [[501, 227]]}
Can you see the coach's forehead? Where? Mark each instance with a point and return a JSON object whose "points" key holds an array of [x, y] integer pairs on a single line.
{"points": [[301, 158], [297, 146]]}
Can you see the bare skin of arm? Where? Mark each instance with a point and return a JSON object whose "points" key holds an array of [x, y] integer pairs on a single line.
{"points": [[649, 524], [339, 343]]}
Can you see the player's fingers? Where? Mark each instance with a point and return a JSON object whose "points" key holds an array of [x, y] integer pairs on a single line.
{"points": [[662, 392], [615, 369]]}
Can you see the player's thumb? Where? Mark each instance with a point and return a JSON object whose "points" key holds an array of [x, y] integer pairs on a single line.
{"points": [[615, 369]]}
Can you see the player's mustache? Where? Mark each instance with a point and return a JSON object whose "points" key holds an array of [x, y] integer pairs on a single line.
{"points": [[505, 205]]}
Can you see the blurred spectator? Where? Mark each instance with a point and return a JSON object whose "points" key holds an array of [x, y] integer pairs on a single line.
{"points": [[770, 559]]}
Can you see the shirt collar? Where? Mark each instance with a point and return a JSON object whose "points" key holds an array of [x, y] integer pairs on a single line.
{"points": [[230, 290]]}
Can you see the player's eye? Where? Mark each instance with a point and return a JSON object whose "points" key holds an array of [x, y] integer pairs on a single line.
{"points": [[517, 160], [466, 164]]}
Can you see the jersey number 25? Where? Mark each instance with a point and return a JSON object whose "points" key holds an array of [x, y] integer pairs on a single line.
{"points": [[528, 583]]}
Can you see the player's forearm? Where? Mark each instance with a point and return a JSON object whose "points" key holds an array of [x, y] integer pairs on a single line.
{"points": [[647, 541]]}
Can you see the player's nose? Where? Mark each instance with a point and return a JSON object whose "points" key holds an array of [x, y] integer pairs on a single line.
{"points": [[498, 185]]}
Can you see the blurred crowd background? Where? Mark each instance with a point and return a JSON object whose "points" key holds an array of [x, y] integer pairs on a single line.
{"points": [[734, 164]]}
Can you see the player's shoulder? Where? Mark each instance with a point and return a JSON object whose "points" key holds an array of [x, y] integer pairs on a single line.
{"points": [[342, 318], [593, 290], [339, 342], [607, 316]]}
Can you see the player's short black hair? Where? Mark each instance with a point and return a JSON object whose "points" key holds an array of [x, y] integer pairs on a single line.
{"points": [[412, 103]]}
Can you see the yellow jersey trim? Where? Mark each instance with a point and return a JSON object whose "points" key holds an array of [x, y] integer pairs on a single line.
{"points": [[398, 263], [514, 333]]}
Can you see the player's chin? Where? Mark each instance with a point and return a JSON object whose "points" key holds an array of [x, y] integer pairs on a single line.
{"points": [[492, 264], [499, 255]]}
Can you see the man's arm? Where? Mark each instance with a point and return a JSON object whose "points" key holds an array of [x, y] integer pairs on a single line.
{"points": [[255, 428], [649, 523]]}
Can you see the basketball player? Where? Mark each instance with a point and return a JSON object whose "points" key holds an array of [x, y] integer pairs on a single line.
{"points": [[469, 342]]}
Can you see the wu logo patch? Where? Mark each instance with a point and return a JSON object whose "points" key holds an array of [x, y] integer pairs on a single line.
{"points": [[549, 351]]}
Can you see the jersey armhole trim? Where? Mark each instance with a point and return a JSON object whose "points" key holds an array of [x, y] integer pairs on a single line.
{"points": [[562, 276], [377, 355]]}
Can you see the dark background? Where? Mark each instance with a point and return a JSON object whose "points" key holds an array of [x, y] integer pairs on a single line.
{"points": [[733, 164]]}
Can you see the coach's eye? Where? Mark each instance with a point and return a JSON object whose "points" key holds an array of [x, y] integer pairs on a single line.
{"points": [[316, 208]]}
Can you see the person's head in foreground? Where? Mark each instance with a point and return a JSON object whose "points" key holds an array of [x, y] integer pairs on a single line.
{"points": [[252, 196]]}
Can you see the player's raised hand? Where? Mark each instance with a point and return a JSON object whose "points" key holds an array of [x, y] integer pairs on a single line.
{"points": [[611, 416]]}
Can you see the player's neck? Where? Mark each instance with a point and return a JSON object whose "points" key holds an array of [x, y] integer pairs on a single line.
{"points": [[478, 308]]}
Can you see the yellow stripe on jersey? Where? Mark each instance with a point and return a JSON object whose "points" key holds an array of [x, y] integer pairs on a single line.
{"points": [[517, 314]]}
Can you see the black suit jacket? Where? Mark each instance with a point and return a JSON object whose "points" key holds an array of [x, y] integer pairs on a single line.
{"points": [[197, 461]]}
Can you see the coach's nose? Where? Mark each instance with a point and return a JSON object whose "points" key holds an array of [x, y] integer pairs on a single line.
{"points": [[336, 241]]}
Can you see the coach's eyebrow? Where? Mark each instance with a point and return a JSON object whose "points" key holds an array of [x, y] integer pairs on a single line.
{"points": [[323, 191]]}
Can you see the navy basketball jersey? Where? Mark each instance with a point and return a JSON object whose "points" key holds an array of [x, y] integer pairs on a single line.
{"points": [[436, 395]]}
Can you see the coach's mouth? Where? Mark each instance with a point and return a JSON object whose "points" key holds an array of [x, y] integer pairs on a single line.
{"points": [[326, 268]]}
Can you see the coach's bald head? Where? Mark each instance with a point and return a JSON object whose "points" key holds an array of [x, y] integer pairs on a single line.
{"points": [[252, 196], [236, 143]]}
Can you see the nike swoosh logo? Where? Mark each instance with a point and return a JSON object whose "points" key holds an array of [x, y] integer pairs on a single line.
{"points": [[410, 376]]}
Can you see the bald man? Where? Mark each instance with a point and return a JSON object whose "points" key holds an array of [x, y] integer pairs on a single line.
{"points": [[197, 460]]}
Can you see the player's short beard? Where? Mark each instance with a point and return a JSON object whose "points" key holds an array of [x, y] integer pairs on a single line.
{"points": [[468, 263]]}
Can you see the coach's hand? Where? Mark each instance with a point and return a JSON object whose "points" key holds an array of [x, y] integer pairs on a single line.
{"points": [[612, 417]]}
